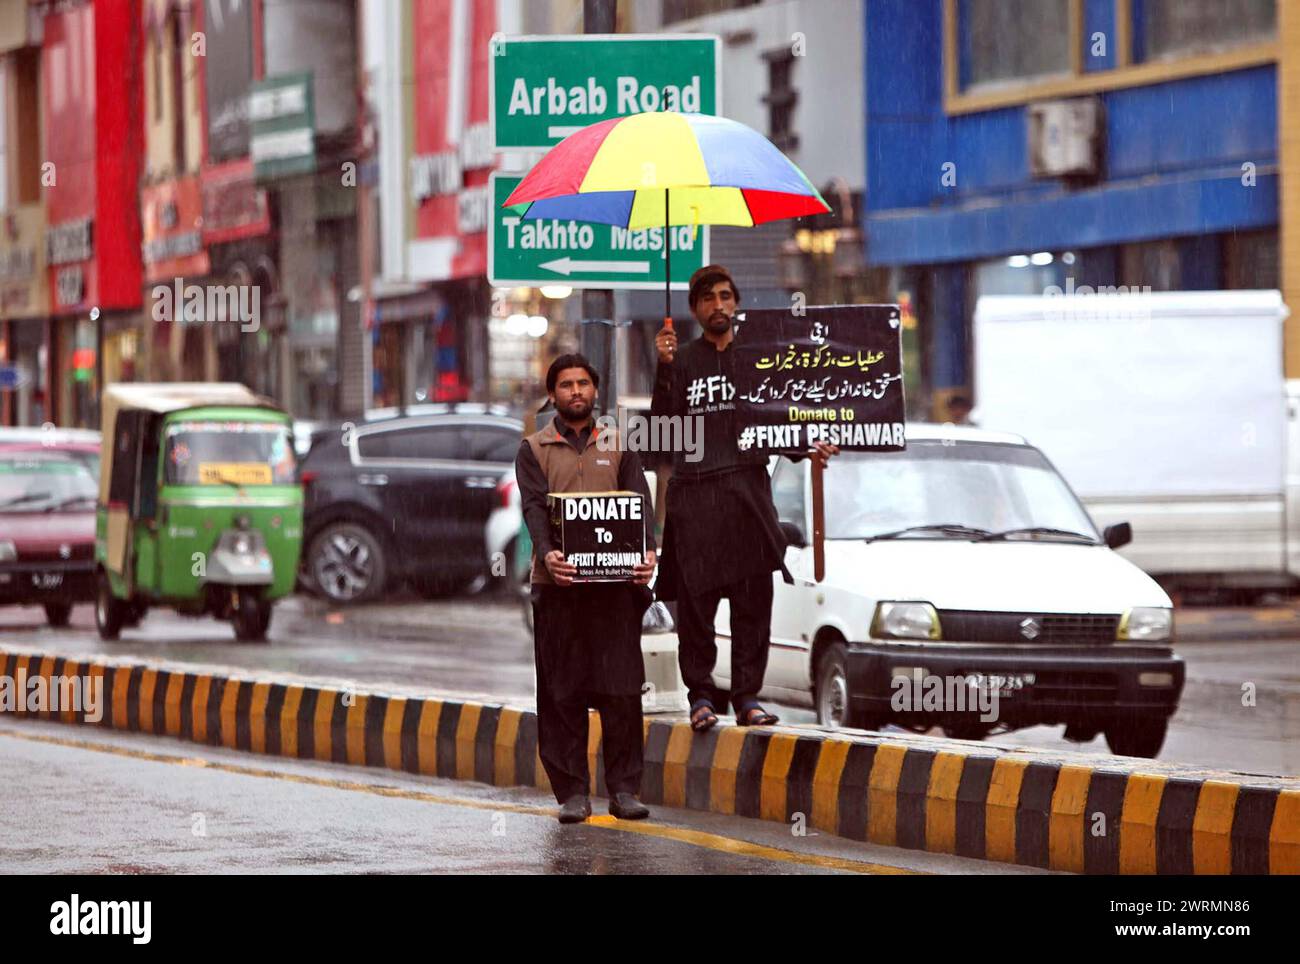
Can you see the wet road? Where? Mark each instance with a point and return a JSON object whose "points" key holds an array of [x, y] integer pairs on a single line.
{"points": [[77, 801], [478, 647]]}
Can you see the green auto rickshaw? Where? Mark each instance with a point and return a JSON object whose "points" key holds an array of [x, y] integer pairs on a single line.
{"points": [[199, 506]]}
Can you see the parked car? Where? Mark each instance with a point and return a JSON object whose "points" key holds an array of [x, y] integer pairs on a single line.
{"points": [[404, 499], [965, 558], [47, 526]]}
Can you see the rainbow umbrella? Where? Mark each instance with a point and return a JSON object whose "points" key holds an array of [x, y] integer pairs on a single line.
{"points": [[666, 168]]}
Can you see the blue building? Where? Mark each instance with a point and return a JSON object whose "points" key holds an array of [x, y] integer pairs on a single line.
{"points": [[1012, 145]]}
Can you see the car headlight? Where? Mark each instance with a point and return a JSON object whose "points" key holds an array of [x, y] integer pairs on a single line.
{"points": [[905, 620], [1146, 624], [8, 550]]}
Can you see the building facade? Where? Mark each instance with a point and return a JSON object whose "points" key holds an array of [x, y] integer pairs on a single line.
{"points": [[1016, 146], [428, 301]]}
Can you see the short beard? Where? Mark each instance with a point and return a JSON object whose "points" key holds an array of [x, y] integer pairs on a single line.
{"points": [[569, 414], [716, 326]]}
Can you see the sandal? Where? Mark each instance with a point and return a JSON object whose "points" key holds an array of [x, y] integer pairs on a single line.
{"points": [[751, 714], [703, 716]]}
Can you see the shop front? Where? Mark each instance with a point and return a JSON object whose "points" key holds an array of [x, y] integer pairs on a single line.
{"points": [[74, 334], [417, 350], [236, 231], [92, 148], [171, 347], [24, 307]]}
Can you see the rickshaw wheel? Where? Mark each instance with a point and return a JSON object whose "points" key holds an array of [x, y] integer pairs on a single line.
{"points": [[251, 618], [109, 610]]}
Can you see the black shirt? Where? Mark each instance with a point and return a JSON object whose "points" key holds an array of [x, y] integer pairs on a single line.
{"points": [[700, 382], [721, 523]]}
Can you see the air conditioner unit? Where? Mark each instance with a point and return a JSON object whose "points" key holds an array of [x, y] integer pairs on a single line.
{"points": [[1065, 138]]}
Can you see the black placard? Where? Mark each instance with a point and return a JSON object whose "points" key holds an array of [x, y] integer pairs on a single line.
{"points": [[829, 374], [601, 533]]}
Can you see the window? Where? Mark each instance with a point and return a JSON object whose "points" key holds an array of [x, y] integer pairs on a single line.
{"points": [[787, 492], [178, 62], [1179, 27], [228, 453], [984, 486], [1013, 39], [156, 50], [1251, 259], [429, 442], [492, 444], [121, 485], [5, 83], [781, 98], [45, 483]]}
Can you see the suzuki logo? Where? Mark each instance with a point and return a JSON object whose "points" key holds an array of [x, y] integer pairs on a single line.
{"points": [[65, 551], [1029, 628]]}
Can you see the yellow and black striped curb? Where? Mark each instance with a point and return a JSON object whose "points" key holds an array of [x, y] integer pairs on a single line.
{"points": [[1102, 815]]}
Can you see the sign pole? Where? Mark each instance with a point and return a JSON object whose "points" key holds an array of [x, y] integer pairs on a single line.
{"points": [[668, 267], [818, 520], [599, 16]]}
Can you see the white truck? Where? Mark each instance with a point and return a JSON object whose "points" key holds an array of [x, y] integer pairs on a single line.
{"points": [[1169, 411]]}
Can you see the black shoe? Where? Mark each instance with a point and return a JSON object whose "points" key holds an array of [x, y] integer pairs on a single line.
{"points": [[576, 809], [626, 806]]}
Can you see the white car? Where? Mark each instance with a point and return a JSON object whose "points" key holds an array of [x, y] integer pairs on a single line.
{"points": [[966, 587]]}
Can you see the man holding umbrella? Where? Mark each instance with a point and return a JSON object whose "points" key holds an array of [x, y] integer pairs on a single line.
{"points": [[658, 169], [721, 537]]}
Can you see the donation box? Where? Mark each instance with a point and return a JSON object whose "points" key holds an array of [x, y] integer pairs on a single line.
{"points": [[601, 533]]}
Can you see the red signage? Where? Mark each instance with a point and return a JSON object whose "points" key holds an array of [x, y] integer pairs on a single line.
{"points": [[234, 207], [173, 221], [94, 143], [451, 155]]}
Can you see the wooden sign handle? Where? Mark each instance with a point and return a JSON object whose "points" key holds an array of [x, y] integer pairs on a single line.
{"points": [[818, 520]]}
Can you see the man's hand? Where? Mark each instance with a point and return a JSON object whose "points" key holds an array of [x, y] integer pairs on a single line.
{"points": [[666, 345], [822, 452], [642, 573], [561, 572]]}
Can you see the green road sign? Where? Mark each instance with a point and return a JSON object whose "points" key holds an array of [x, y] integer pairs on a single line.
{"points": [[545, 88], [283, 126], [551, 251]]}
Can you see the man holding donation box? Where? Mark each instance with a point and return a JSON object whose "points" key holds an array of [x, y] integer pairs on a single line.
{"points": [[587, 508]]}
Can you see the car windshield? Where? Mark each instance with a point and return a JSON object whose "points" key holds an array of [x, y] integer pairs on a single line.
{"points": [[229, 453], [959, 490], [45, 483]]}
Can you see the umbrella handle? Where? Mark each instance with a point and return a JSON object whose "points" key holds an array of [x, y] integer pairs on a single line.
{"points": [[668, 323]]}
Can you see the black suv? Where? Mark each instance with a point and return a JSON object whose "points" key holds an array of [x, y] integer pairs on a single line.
{"points": [[403, 499]]}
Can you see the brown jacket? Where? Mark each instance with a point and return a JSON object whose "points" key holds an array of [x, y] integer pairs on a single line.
{"points": [[602, 467]]}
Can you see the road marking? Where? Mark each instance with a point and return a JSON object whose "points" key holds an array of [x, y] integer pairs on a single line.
{"points": [[696, 838], [1274, 615]]}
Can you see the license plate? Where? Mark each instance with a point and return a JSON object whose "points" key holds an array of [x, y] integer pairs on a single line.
{"points": [[1005, 685], [47, 580]]}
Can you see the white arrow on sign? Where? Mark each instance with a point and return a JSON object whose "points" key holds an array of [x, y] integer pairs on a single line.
{"points": [[567, 265]]}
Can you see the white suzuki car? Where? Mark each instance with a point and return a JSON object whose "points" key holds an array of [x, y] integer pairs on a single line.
{"points": [[965, 587]]}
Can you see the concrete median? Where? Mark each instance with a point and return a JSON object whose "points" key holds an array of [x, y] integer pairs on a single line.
{"points": [[1069, 812]]}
